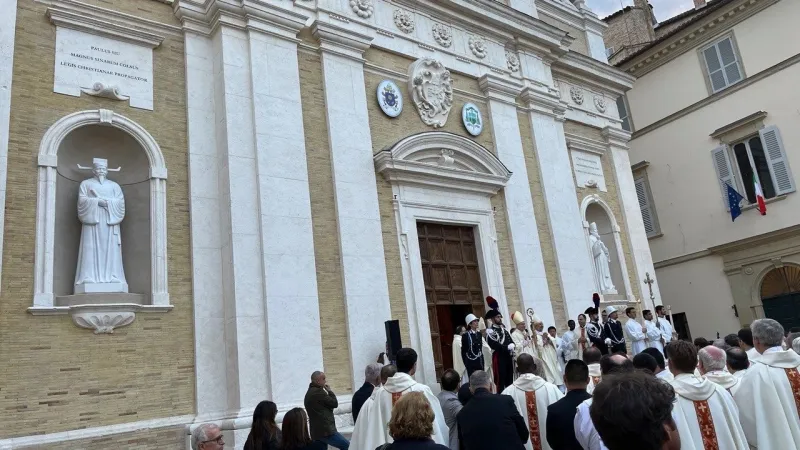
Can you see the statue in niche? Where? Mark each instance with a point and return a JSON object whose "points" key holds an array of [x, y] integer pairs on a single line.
{"points": [[601, 259], [101, 208]]}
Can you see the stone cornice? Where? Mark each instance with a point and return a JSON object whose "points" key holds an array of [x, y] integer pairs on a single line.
{"points": [[591, 72], [205, 16], [577, 142], [543, 103], [114, 24], [616, 137], [693, 36], [340, 40], [500, 89]]}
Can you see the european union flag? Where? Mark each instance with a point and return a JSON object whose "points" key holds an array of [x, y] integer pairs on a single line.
{"points": [[733, 202]]}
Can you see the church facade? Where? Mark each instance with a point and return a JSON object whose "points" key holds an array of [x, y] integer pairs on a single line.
{"points": [[295, 173]]}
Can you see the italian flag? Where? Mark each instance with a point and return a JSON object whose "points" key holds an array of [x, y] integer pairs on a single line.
{"points": [[762, 207]]}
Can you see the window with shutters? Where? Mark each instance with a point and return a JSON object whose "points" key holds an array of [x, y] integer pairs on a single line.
{"points": [[624, 116], [761, 157], [649, 217], [722, 64]]}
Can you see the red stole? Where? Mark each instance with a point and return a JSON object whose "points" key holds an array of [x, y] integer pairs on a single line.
{"points": [[794, 381], [706, 423], [533, 420]]}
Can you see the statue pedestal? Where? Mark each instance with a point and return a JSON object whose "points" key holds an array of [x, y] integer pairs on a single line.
{"points": [[97, 288]]}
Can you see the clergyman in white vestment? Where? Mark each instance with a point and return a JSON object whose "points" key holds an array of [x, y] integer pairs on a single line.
{"points": [[768, 394], [520, 336], [737, 363], [636, 332], [545, 348], [712, 367], [570, 347], [533, 395], [458, 361], [654, 334], [101, 208], [380, 410], [706, 415], [667, 331]]}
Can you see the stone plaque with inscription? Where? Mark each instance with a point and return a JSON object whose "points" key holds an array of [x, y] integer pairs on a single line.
{"points": [[588, 169], [98, 65]]}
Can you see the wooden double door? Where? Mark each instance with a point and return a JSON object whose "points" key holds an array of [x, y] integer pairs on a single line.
{"points": [[452, 284]]}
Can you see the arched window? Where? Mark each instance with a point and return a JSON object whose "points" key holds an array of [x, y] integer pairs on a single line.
{"points": [[780, 295]]}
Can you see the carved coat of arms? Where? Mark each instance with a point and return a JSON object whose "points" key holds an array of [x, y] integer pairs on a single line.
{"points": [[431, 90]]}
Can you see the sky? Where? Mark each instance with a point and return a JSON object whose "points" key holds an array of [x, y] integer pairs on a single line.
{"points": [[664, 9]]}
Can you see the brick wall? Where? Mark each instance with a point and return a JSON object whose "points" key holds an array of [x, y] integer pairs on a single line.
{"points": [[173, 438], [57, 376], [629, 31]]}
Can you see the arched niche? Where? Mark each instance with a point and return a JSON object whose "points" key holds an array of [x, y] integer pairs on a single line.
{"points": [[779, 294], [595, 210], [76, 139]]}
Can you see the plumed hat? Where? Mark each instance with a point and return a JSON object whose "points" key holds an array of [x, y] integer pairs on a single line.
{"points": [[493, 305], [596, 300]]}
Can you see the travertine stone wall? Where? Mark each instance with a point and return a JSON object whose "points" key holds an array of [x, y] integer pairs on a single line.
{"points": [[611, 197], [542, 223], [579, 45], [57, 376]]}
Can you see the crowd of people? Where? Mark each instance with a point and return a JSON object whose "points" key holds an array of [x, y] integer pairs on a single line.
{"points": [[528, 389]]}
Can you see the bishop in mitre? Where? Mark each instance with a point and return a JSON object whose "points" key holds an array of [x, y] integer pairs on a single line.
{"points": [[532, 395], [545, 348], [706, 415], [520, 336], [592, 357], [376, 431], [768, 394], [101, 208]]}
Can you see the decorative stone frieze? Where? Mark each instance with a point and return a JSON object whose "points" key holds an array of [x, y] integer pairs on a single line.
{"points": [[404, 21], [512, 61], [478, 46], [362, 8], [600, 103], [442, 34], [577, 94]]}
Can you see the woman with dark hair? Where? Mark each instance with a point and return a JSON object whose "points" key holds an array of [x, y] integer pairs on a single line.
{"points": [[295, 432], [264, 433]]}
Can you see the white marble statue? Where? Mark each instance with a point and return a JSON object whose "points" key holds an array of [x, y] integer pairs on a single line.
{"points": [[101, 208], [601, 260]]}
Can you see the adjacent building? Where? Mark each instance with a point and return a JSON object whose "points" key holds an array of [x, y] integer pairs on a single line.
{"points": [[291, 175], [712, 107]]}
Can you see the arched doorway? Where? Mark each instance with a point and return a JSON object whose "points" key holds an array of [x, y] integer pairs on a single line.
{"points": [[780, 295]]}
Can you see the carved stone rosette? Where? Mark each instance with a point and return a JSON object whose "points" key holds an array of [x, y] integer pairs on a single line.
{"points": [[577, 94], [600, 103], [362, 8], [431, 89], [404, 20], [512, 61], [442, 34], [478, 46]]}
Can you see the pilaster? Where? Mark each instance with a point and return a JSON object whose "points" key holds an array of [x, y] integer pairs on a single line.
{"points": [[555, 170], [522, 228], [594, 36], [617, 140], [366, 290]]}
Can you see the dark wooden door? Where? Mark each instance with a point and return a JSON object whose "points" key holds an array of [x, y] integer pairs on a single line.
{"points": [[452, 278], [681, 327], [785, 309]]}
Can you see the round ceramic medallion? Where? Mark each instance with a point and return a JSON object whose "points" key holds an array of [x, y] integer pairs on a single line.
{"points": [[390, 98], [473, 121]]}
